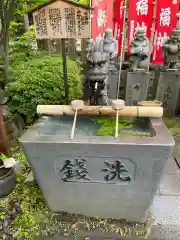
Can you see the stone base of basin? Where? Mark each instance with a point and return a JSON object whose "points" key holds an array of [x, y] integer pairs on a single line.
{"points": [[97, 175]]}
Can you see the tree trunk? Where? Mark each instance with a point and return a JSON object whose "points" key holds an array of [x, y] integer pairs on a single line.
{"points": [[4, 144], [6, 58], [26, 23]]}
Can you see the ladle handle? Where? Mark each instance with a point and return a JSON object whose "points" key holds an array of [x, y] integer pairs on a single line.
{"points": [[117, 124], [74, 125]]}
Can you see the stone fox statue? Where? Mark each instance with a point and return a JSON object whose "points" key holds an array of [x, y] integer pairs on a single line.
{"points": [[96, 77], [139, 49]]}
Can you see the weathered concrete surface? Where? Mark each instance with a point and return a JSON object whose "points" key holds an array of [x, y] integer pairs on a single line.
{"points": [[177, 154], [166, 210], [166, 206], [117, 182], [165, 232]]}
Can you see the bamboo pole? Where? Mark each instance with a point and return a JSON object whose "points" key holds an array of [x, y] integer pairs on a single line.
{"points": [[127, 111], [122, 49], [152, 33]]}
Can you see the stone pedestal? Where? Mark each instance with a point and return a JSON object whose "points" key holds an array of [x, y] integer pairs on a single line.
{"points": [[113, 84], [136, 87], [168, 92]]}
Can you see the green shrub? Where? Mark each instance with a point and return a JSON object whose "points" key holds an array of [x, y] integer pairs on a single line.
{"points": [[24, 47], [40, 81]]}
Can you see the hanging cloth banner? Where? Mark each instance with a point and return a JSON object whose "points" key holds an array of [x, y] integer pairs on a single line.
{"points": [[119, 22], [140, 15], [166, 21], [102, 17]]}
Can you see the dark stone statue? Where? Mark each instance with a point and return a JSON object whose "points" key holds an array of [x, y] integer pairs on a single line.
{"points": [[171, 50], [100, 56], [96, 77], [139, 50]]}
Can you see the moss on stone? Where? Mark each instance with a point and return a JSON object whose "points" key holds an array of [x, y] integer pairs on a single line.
{"points": [[172, 122]]}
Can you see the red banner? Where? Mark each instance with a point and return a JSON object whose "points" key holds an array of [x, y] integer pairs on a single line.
{"points": [[166, 21], [102, 17], [119, 22], [140, 15]]}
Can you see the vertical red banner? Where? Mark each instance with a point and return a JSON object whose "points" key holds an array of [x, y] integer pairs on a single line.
{"points": [[140, 15], [119, 22], [102, 17], [166, 21]]}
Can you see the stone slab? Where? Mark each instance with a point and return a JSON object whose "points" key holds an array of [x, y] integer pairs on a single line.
{"points": [[170, 185], [168, 92], [176, 154], [178, 160], [166, 210], [165, 232], [136, 87], [171, 167], [30, 180]]}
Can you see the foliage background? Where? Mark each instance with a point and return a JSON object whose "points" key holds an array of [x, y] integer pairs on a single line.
{"points": [[38, 79], [33, 78]]}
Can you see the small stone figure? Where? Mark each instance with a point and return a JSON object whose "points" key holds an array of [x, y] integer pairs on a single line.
{"points": [[110, 45], [139, 49], [96, 79], [171, 51]]}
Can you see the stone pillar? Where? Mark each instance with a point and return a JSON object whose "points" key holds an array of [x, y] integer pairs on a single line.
{"points": [[153, 84], [150, 86], [168, 92], [112, 82], [136, 87], [113, 78]]}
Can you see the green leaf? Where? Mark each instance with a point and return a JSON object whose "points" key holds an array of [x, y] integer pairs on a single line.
{"points": [[3, 157]]}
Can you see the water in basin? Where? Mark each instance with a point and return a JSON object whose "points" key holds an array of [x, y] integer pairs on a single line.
{"points": [[86, 126]]}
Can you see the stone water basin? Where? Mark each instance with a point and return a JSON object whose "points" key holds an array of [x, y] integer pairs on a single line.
{"points": [[95, 174]]}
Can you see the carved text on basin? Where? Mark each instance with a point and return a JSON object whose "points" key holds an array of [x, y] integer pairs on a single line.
{"points": [[80, 169]]}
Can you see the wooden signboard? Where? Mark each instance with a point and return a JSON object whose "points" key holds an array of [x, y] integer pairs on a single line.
{"points": [[81, 1], [61, 19]]}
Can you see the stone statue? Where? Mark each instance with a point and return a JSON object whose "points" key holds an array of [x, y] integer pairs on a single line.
{"points": [[110, 45], [97, 69], [139, 50], [171, 50]]}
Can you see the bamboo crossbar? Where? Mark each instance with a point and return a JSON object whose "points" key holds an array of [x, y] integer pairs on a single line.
{"points": [[104, 111]]}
